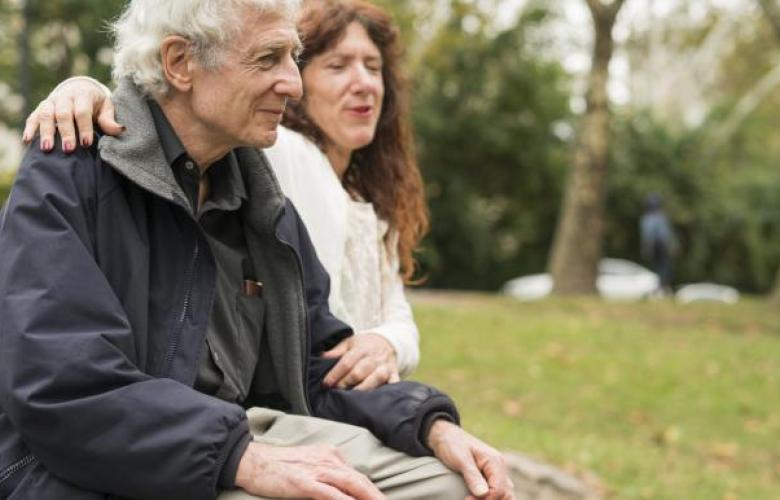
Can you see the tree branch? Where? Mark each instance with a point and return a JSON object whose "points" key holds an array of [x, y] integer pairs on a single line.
{"points": [[748, 103], [605, 12], [772, 12], [615, 8], [596, 7]]}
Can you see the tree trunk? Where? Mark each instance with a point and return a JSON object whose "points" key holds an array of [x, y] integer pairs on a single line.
{"points": [[577, 246]]}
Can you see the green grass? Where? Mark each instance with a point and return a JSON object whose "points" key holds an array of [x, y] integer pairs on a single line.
{"points": [[661, 401]]}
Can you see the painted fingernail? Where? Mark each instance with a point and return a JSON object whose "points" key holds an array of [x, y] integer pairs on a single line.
{"points": [[25, 138], [122, 128], [86, 142], [46, 145], [67, 146]]}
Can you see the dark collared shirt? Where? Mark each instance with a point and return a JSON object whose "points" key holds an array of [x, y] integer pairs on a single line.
{"points": [[236, 320]]}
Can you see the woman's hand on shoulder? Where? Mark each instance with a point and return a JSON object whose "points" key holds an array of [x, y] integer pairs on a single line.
{"points": [[72, 108], [367, 361]]}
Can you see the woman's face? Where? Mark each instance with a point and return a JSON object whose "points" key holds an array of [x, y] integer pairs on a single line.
{"points": [[343, 91]]}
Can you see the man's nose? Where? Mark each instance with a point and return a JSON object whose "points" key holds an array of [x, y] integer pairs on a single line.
{"points": [[290, 84]]}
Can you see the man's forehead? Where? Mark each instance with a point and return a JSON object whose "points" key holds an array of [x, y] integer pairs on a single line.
{"points": [[276, 33]]}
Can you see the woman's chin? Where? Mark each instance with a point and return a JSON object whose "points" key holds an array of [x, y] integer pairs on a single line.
{"points": [[362, 139]]}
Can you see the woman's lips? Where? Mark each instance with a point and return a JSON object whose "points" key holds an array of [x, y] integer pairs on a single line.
{"points": [[364, 111]]}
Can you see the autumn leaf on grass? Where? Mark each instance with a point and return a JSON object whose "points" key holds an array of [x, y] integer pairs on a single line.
{"points": [[724, 451], [668, 437], [512, 408]]}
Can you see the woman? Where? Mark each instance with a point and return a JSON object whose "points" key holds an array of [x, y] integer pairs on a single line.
{"points": [[346, 161]]}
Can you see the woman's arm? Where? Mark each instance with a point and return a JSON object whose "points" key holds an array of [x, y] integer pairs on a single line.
{"points": [[386, 352], [398, 326]]}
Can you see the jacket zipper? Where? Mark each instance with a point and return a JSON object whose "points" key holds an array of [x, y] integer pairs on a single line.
{"points": [[16, 467], [173, 346]]}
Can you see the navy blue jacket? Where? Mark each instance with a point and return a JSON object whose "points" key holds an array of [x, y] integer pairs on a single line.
{"points": [[106, 283]]}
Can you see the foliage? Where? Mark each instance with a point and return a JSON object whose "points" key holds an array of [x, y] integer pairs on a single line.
{"points": [[494, 129], [485, 114], [5, 189], [727, 215], [662, 401], [66, 37]]}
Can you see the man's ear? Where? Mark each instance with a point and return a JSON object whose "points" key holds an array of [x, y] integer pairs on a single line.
{"points": [[177, 59]]}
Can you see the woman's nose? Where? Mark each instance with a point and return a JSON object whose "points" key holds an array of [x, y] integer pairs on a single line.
{"points": [[362, 79]]}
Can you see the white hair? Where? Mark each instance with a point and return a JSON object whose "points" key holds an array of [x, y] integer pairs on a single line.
{"points": [[208, 24]]}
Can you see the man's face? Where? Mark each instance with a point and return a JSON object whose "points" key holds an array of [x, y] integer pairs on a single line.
{"points": [[241, 103]]}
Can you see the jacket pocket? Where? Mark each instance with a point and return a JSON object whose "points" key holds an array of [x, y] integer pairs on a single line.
{"points": [[11, 475]]}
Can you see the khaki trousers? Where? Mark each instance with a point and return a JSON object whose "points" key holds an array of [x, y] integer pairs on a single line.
{"points": [[396, 474]]}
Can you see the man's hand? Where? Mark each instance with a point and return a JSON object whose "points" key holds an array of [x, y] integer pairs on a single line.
{"points": [[317, 472], [482, 467], [367, 361], [72, 108]]}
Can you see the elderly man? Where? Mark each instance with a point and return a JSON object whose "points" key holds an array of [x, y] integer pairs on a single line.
{"points": [[155, 287]]}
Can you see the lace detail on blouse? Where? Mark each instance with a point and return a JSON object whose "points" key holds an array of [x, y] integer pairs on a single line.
{"points": [[365, 269]]}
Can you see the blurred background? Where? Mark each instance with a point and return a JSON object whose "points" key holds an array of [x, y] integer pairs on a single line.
{"points": [[543, 128], [500, 92]]}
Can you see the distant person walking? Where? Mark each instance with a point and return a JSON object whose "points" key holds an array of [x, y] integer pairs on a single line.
{"points": [[659, 244]]}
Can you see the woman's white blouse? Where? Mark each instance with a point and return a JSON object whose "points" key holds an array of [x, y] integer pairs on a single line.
{"points": [[366, 287]]}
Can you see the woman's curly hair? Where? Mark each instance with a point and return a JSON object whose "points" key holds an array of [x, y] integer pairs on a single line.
{"points": [[384, 172]]}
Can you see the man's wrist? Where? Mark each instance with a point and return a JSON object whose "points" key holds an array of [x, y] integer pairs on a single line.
{"points": [[437, 427]]}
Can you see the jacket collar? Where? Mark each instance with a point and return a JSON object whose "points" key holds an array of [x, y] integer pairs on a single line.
{"points": [[138, 155]]}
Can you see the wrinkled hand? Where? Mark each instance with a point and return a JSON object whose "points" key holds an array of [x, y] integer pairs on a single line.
{"points": [[483, 468], [367, 361], [317, 472], [70, 109]]}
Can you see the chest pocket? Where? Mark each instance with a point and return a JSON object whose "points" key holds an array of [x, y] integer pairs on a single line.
{"points": [[234, 353]]}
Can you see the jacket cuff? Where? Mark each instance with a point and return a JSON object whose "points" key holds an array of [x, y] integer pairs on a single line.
{"points": [[439, 406], [238, 441], [428, 423]]}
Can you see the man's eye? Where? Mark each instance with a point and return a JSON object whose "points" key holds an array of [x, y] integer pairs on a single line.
{"points": [[266, 61]]}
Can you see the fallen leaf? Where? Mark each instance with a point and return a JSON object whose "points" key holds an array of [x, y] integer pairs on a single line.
{"points": [[724, 451], [512, 408], [668, 437]]}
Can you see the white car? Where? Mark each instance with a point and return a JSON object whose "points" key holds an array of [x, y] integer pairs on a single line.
{"points": [[707, 292], [617, 279]]}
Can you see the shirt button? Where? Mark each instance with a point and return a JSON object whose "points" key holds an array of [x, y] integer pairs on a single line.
{"points": [[189, 165]]}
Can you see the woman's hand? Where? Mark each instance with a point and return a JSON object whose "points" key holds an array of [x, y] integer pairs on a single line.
{"points": [[367, 361], [72, 108]]}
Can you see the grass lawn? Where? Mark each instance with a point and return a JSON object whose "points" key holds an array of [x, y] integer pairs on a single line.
{"points": [[660, 400]]}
